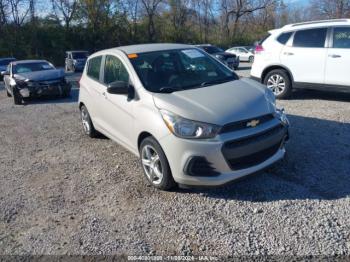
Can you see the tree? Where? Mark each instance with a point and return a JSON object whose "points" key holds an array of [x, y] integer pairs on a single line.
{"points": [[330, 9], [151, 8], [65, 10]]}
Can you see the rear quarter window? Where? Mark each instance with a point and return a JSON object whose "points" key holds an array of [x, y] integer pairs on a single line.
{"points": [[284, 37], [94, 67]]}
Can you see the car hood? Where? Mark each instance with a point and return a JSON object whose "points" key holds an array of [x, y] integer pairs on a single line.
{"points": [[218, 104], [43, 75]]}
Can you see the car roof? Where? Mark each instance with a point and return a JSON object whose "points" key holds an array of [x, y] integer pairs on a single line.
{"points": [[312, 24], [28, 61], [144, 48], [7, 58]]}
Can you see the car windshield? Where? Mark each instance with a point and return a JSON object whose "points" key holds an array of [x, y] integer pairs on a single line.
{"points": [[212, 49], [80, 55], [182, 69], [31, 67], [5, 62]]}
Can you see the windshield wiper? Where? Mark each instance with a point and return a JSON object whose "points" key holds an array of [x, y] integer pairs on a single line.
{"points": [[219, 81], [169, 89]]}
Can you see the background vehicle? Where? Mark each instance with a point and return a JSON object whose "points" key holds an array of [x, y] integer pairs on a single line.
{"points": [[75, 60], [243, 53], [231, 60], [4, 62], [311, 55], [190, 119], [34, 78]]}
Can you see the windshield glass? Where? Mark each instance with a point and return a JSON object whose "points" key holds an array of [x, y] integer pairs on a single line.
{"points": [[182, 69], [80, 55], [5, 62], [212, 49], [31, 67]]}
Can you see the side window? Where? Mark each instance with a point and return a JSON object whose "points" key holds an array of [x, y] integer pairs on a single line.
{"points": [[341, 37], [283, 38], [310, 38], [114, 70], [94, 67]]}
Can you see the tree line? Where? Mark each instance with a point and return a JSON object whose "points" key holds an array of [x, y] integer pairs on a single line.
{"points": [[47, 28]]}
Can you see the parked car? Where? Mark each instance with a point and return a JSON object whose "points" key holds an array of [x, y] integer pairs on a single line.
{"points": [[231, 60], [242, 53], [310, 55], [75, 60], [4, 62], [34, 78], [189, 118]]}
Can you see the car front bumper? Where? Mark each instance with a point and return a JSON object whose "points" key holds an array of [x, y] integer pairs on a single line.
{"points": [[45, 90], [212, 162]]}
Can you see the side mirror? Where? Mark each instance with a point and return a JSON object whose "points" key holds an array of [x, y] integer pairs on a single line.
{"points": [[121, 88], [5, 73]]}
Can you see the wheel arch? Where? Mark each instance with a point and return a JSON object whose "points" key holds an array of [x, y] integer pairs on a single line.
{"points": [[141, 137], [274, 67]]}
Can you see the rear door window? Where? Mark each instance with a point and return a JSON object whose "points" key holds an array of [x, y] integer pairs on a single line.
{"points": [[310, 38], [94, 67], [341, 37]]}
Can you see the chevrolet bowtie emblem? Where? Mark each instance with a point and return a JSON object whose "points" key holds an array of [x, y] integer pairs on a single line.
{"points": [[253, 123]]}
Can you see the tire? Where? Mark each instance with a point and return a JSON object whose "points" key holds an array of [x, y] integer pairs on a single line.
{"points": [[88, 126], [159, 166], [275, 79], [251, 59], [17, 99]]}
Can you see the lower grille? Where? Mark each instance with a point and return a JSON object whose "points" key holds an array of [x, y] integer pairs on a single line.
{"points": [[200, 166], [253, 159]]}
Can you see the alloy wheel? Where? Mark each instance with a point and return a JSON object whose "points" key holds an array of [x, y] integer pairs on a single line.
{"points": [[276, 83], [85, 120], [151, 164]]}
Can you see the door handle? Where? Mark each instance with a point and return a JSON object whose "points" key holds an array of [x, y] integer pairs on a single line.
{"points": [[288, 53], [334, 56]]}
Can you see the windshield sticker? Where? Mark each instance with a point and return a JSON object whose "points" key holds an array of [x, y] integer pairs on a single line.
{"points": [[192, 53]]}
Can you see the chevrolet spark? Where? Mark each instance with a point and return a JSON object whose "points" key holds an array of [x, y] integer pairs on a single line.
{"points": [[189, 118]]}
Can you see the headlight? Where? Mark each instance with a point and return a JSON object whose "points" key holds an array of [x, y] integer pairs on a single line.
{"points": [[281, 115], [186, 128]]}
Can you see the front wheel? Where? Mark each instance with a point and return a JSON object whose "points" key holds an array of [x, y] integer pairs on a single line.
{"points": [[17, 98], [155, 164], [279, 83]]}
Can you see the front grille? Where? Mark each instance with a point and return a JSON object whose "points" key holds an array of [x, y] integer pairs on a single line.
{"points": [[252, 150], [253, 159], [239, 125]]}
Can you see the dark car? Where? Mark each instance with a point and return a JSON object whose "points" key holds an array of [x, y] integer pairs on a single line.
{"points": [[75, 60], [4, 62], [231, 60], [34, 78]]}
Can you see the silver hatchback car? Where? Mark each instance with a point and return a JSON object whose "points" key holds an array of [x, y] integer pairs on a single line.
{"points": [[189, 118]]}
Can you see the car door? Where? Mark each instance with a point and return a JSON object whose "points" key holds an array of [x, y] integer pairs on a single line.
{"points": [[118, 109], [243, 54], [305, 55], [338, 58], [95, 88]]}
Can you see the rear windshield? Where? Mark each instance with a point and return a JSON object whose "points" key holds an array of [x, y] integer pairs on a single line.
{"points": [[31, 67]]}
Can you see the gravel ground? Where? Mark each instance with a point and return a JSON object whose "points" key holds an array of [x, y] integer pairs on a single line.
{"points": [[63, 193]]}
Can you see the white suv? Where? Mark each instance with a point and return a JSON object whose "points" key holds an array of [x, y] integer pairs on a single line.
{"points": [[311, 55]]}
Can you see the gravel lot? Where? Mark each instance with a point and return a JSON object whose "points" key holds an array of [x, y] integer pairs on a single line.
{"points": [[63, 193]]}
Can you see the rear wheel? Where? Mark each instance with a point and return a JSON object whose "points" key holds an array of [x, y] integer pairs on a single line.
{"points": [[155, 164], [279, 83], [88, 127]]}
